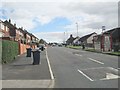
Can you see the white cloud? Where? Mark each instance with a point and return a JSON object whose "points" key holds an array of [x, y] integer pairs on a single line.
{"points": [[89, 15], [44, 19], [51, 36]]}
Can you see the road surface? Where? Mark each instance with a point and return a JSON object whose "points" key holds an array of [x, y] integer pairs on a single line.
{"points": [[82, 69]]}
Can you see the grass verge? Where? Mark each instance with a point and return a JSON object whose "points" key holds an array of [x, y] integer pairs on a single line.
{"points": [[93, 50], [74, 47]]}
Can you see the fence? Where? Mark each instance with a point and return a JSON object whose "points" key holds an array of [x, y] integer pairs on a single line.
{"points": [[22, 48]]}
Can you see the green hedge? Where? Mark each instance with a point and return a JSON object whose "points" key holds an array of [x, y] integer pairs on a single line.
{"points": [[0, 51], [9, 50]]}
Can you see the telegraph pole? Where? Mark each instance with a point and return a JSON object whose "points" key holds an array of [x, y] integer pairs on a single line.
{"points": [[64, 38]]}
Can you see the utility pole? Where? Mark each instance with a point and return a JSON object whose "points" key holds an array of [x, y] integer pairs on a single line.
{"points": [[77, 28], [66, 34], [103, 29], [64, 38]]}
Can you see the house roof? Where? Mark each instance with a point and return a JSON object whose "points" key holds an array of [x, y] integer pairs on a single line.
{"points": [[21, 30], [86, 37], [12, 28], [70, 40], [109, 31], [9, 24], [97, 37], [116, 33], [76, 39], [26, 32]]}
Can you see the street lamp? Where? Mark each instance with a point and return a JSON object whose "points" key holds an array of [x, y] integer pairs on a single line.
{"points": [[64, 38], [103, 29], [77, 28]]}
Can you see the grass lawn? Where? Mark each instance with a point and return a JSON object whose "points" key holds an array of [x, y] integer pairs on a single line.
{"points": [[93, 50], [74, 47], [115, 53], [90, 49]]}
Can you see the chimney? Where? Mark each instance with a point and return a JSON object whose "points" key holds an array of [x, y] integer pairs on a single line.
{"points": [[22, 28], [14, 24], [71, 35], [9, 21]]}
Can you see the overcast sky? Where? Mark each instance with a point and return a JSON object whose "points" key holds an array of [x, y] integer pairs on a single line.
{"points": [[50, 19]]}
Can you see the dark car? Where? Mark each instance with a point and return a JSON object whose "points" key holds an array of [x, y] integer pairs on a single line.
{"points": [[42, 47]]}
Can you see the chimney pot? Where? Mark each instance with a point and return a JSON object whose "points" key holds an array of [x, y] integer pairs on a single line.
{"points": [[9, 21], [15, 24], [22, 28]]}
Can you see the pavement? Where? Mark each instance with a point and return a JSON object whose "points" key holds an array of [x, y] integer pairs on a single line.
{"points": [[82, 69], [22, 74]]}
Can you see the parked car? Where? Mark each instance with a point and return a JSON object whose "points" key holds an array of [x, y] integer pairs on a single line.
{"points": [[60, 45], [42, 47]]}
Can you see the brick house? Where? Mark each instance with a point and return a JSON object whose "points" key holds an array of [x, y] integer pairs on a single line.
{"points": [[37, 40], [10, 29], [20, 35], [108, 41], [27, 37], [33, 38], [4, 30], [115, 36]]}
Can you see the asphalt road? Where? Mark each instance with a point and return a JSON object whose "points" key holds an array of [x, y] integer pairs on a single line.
{"points": [[82, 69]]}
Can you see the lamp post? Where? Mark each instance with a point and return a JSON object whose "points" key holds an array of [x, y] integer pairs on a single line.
{"points": [[77, 28], [66, 34], [64, 38], [103, 29]]}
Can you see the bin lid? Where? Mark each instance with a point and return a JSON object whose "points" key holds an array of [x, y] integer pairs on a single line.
{"points": [[36, 50], [28, 48]]}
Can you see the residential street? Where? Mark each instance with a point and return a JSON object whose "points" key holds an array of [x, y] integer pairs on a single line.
{"points": [[82, 69], [56, 44]]}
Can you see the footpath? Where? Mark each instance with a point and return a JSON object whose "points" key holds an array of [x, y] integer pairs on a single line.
{"points": [[22, 74]]}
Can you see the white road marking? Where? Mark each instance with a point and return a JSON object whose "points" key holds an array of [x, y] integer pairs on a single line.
{"points": [[78, 55], [113, 69], [93, 68], [110, 76], [85, 75], [95, 61], [51, 73]]}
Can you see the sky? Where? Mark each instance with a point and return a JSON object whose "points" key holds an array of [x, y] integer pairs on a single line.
{"points": [[55, 20]]}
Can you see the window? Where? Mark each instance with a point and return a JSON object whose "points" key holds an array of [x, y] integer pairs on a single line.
{"points": [[1, 26], [6, 28], [0, 34]]}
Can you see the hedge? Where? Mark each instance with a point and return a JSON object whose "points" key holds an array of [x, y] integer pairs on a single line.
{"points": [[0, 51], [10, 50]]}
